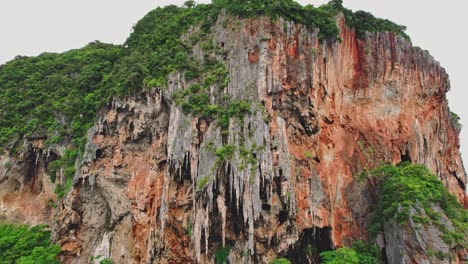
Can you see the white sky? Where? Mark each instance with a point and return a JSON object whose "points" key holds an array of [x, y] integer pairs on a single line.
{"points": [[29, 27]]}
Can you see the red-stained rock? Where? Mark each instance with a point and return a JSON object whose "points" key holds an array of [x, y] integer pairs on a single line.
{"points": [[253, 55], [26, 191]]}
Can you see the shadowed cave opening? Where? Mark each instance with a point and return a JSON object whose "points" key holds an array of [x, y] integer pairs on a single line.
{"points": [[311, 243], [34, 160], [405, 156], [31, 168], [47, 160], [384, 255]]}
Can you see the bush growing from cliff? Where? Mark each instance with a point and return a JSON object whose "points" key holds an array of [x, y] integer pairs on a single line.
{"points": [[341, 255], [359, 253], [280, 261], [409, 186], [202, 182], [106, 261], [92, 259], [26, 245], [455, 120], [225, 152], [221, 254]]}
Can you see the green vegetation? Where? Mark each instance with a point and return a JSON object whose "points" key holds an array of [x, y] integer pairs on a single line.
{"points": [[280, 261], [7, 164], [225, 152], [341, 255], [195, 100], [157, 48], [26, 245], [439, 254], [247, 157], [203, 182], [221, 254], [106, 261], [455, 120], [103, 261], [322, 17], [359, 253], [363, 21], [36, 93], [66, 164], [409, 186], [62, 189], [189, 228], [371, 160], [308, 154], [55, 96], [189, 3]]}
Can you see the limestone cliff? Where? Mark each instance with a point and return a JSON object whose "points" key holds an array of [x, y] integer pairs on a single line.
{"points": [[154, 186], [323, 112]]}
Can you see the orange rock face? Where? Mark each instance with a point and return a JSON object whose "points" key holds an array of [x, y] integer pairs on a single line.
{"points": [[322, 113], [26, 192]]}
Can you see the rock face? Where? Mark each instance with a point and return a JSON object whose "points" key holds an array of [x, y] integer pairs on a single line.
{"points": [[26, 192], [152, 189], [417, 243]]}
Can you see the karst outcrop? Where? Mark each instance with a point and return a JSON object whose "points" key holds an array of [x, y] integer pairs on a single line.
{"points": [[274, 165]]}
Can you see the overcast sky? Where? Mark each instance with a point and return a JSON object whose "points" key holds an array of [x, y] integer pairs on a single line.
{"points": [[29, 27]]}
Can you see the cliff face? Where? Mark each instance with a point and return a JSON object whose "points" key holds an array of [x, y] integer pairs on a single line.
{"points": [[154, 188]]}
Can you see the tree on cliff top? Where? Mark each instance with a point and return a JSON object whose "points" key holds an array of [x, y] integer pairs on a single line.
{"points": [[189, 3]]}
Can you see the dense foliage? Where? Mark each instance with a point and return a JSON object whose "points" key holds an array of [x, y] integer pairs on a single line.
{"points": [[221, 254], [322, 17], [26, 245], [54, 94], [413, 187], [359, 253], [363, 21], [155, 48]]}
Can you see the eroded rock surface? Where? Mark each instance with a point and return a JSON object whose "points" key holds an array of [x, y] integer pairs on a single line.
{"points": [[321, 113], [418, 243], [26, 191]]}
